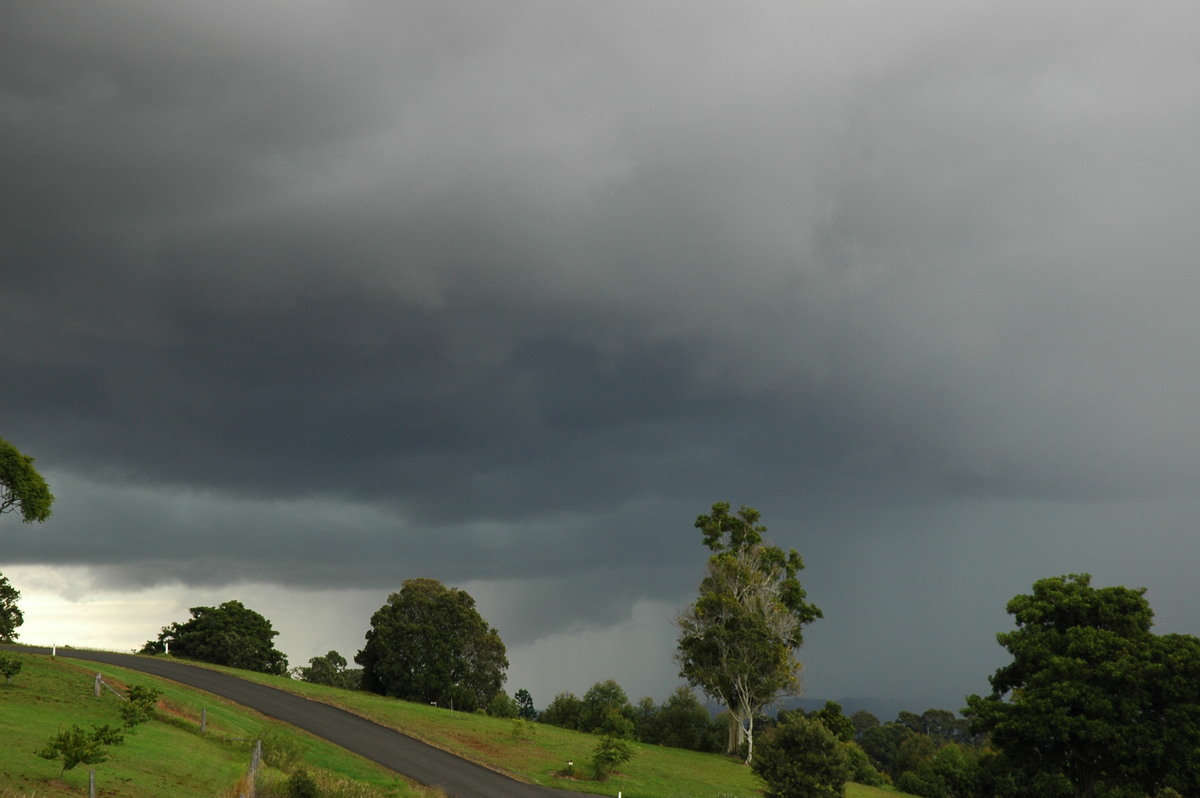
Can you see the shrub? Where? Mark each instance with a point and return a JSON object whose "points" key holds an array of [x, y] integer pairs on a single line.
{"points": [[523, 729], [302, 785], [140, 706], [861, 769], [564, 711], [608, 754], [803, 759], [501, 706], [10, 667]]}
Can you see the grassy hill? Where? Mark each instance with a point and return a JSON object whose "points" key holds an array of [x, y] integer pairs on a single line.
{"points": [[49, 695], [167, 756]]}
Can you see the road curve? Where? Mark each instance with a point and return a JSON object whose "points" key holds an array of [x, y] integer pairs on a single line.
{"points": [[418, 761]]}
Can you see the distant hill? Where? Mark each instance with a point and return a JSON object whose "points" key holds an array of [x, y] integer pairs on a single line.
{"points": [[886, 709]]}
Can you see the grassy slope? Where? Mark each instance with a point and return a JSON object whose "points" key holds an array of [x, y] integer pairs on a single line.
{"points": [[48, 695], [164, 757], [537, 752]]}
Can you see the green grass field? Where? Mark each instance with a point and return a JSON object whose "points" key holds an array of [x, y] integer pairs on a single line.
{"points": [[167, 756], [48, 695]]}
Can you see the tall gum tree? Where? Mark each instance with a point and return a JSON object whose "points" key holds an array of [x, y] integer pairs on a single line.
{"points": [[738, 641]]}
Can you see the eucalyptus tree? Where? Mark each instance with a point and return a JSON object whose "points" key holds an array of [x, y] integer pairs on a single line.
{"points": [[738, 640]]}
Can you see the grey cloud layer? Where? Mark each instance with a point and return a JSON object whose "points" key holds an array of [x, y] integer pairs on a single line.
{"points": [[532, 284]]}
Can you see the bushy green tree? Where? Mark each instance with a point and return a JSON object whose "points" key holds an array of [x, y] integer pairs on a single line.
{"points": [[9, 667], [10, 614], [915, 750], [738, 641], [231, 634], [1092, 694], [565, 710], [802, 759], [832, 717], [21, 486], [330, 670], [606, 710], [863, 721], [681, 722], [859, 766], [502, 706], [882, 744], [428, 643], [948, 772]]}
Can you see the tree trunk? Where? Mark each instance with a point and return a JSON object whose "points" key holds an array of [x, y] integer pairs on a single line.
{"points": [[741, 730], [736, 734], [746, 725]]}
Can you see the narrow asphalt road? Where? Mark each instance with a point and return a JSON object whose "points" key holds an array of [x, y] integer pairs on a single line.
{"points": [[405, 755]]}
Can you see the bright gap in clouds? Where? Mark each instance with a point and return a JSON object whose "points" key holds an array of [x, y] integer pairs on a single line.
{"points": [[63, 607]]}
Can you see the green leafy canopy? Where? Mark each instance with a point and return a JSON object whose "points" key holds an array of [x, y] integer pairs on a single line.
{"points": [[1092, 694], [21, 486]]}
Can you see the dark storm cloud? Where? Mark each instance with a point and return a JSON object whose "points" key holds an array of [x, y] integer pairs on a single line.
{"points": [[338, 294]]}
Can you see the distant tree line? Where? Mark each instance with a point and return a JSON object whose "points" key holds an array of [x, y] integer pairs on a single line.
{"points": [[681, 721]]}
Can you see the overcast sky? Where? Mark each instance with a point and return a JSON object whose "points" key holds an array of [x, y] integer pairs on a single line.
{"points": [[299, 300]]}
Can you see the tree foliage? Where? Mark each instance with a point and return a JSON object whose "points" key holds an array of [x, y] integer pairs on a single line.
{"points": [[882, 744], [139, 708], [9, 667], [525, 708], [606, 710], [21, 486], [330, 670], [1092, 694], [10, 614], [428, 643], [565, 710], [832, 717], [76, 746], [231, 634], [738, 641], [681, 722], [802, 759], [610, 753]]}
